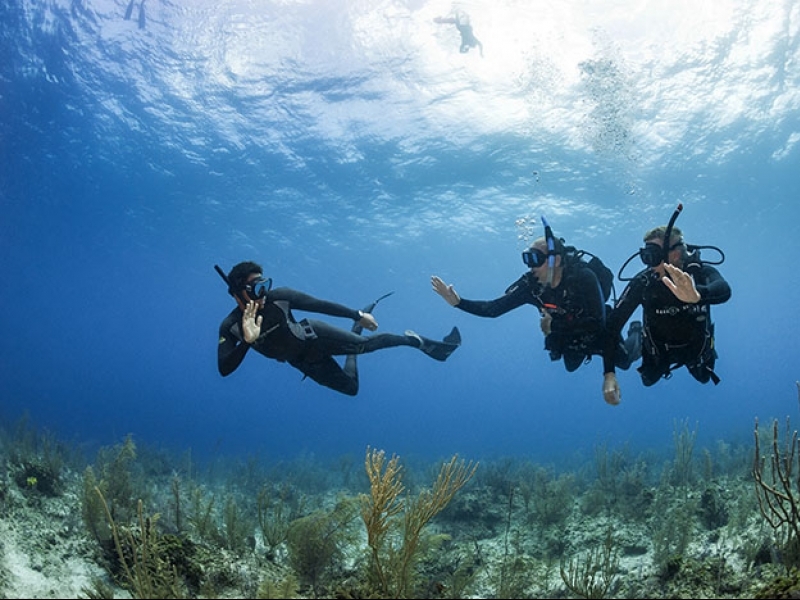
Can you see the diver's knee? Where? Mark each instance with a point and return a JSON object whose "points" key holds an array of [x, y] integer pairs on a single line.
{"points": [[649, 377], [350, 388], [701, 374], [572, 362]]}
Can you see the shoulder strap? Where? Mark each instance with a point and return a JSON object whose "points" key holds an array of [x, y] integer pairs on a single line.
{"points": [[523, 281]]}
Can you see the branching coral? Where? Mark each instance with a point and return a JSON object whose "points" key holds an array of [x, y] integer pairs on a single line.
{"points": [[392, 563], [778, 486], [147, 572], [776, 490], [594, 574]]}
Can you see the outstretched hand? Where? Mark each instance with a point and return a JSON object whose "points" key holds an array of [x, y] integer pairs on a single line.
{"points": [[681, 284], [546, 322], [251, 323], [445, 291]]}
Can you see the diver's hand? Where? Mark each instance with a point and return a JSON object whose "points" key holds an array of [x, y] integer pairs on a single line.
{"points": [[611, 392], [251, 323], [546, 322], [367, 321], [445, 291], [681, 284]]}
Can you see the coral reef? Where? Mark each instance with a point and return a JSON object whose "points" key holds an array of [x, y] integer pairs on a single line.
{"points": [[716, 522]]}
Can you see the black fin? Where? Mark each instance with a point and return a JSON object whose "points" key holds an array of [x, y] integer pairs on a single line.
{"points": [[368, 309], [371, 306], [442, 350], [454, 337], [129, 10], [141, 15]]}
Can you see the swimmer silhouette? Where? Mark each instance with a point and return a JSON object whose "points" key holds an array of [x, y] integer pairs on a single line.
{"points": [[462, 22], [129, 12]]}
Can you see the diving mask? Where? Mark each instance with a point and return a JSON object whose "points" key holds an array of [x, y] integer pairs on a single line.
{"points": [[534, 258], [258, 288], [652, 254]]}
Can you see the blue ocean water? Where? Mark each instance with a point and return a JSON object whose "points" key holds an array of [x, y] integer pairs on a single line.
{"points": [[351, 149]]}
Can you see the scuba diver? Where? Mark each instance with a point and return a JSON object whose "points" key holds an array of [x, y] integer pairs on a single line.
{"points": [[263, 320], [675, 291], [462, 22], [570, 295]]}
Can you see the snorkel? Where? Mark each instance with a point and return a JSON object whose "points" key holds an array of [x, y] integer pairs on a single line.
{"points": [[668, 233], [652, 255], [224, 278], [551, 250]]}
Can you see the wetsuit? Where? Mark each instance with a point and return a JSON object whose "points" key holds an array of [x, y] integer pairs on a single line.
{"points": [[468, 39], [676, 333], [577, 329], [308, 345]]}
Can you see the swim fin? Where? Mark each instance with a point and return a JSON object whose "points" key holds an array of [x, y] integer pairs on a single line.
{"points": [[368, 309], [439, 350], [129, 10], [141, 15]]}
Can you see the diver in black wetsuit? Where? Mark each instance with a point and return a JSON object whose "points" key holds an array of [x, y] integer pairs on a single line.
{"points": [[263, 320], [570, 302], [462, 23], [676, 291]]}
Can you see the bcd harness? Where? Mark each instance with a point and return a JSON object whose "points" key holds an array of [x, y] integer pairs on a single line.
{"points": [[663, 349]]}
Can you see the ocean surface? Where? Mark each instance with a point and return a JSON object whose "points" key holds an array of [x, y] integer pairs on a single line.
{"points": [[351, 149]]}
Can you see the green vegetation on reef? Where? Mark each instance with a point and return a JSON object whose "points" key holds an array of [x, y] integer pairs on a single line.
{"points": [[395, 523], [317, 544], [716, 522]]}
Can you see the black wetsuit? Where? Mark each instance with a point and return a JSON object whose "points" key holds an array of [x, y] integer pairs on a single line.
{"points": [[468, 39], [577, 330], [308, 345], [676, 333]]}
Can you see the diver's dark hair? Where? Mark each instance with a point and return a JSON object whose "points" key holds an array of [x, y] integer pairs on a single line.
{"points": [[237, 278]]}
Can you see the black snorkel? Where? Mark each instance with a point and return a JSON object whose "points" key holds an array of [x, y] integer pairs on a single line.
{"points": [[224, 278], [668, 233], [228, 283]]}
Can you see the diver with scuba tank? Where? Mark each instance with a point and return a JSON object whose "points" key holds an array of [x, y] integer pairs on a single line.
{"points": [[570, 295], [675, 290]]}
